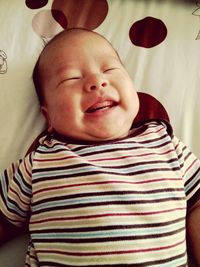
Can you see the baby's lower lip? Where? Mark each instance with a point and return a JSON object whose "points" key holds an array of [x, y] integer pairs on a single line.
{"points": [[101, 107], [101, 111]]}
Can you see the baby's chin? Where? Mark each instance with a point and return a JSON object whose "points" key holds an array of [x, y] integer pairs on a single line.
{"points": [[109, 131], [99, 133], [106, 136], [90, 137], [110, 139]]}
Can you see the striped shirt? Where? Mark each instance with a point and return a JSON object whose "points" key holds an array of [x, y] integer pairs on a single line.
{"points": [[116, 203]]}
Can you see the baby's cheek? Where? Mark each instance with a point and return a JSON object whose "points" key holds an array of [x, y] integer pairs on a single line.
{"points": [[67, 110]]}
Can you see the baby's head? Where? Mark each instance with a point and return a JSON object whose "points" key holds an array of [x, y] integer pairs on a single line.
{"points": [[84, 90]]}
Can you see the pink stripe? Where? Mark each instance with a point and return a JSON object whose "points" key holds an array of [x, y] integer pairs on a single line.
{"points": [[177, 145], [188, 168], [111, 252], [55, 159], [133, 156], [57, 219], [106, 182], [152, 132]]}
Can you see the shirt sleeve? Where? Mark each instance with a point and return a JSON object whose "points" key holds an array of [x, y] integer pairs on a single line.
{"points": [[16, 191], [190, 169]]}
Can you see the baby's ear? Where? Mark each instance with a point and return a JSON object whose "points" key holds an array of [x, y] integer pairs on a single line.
{"points": [[44, 111]]}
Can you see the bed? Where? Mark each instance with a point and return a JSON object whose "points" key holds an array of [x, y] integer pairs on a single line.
{"points": [[158, 42]]}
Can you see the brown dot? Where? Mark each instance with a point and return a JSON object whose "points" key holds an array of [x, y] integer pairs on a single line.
{"points": [[84, 14], [34, 4], [148, 32]]}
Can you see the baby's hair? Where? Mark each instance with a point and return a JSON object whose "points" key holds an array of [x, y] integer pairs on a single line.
{"points": [[37, 83], [37, 74]]}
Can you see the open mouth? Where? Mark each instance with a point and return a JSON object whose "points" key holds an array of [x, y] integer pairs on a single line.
{"points": [[101, 106]]}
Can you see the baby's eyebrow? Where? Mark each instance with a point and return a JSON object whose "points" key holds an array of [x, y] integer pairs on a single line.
{"points": [[67, 67]]}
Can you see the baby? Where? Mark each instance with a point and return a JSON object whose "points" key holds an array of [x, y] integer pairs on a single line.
{"points": [[97, 191]]}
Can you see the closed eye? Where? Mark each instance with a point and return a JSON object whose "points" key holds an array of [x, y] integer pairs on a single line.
{"points": [[69, 79], [110, 70], [72, 78]]}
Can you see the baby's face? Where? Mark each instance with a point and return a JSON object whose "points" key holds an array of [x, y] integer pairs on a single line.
{"points": [[88, 93]]}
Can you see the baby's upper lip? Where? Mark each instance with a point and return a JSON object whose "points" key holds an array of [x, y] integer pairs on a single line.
{"points": [[102, 102]]}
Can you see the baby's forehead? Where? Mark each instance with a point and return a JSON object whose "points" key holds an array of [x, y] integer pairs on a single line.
{"points": [[70, 37], [68, 40]]}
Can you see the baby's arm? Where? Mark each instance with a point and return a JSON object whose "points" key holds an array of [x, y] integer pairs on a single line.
{"points": [[193, 232], [15, 196]]}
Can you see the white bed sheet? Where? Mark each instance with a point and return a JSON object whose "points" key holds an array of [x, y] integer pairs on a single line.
{"points": [[170, 71]]}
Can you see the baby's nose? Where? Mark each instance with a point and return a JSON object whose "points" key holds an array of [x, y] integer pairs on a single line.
{"points": [[96, 82]]}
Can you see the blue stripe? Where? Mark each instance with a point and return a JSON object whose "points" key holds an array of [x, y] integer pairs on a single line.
{"points": [[104, 148], [103, 199], [192, 182], [112, 169], [114, 233]]}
